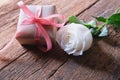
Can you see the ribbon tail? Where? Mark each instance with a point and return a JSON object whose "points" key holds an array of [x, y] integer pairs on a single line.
{"points": [[37, 36], [25, 9], [53, 23], [8, 45], [46, 37]]}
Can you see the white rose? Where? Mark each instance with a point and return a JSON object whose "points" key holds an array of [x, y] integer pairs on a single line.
{"points": [[74, 38]]}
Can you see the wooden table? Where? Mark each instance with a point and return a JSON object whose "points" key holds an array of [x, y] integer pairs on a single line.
{"points": [[100, 62]]}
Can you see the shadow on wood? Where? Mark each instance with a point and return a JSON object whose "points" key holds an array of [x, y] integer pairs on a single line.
{"points": [[95, 58], [55, 53]]}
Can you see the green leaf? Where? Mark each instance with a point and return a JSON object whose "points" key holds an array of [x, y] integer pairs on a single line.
{"points": [[101, 19], [114, 17], [116, 24], [74, 19], [114, 20]]}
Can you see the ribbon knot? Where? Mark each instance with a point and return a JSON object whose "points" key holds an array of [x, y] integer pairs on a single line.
{"points": [[40, 22], [35, 20]]}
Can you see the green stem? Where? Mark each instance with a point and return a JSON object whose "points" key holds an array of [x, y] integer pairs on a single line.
{"points": [[97, 31], [100, 27]]}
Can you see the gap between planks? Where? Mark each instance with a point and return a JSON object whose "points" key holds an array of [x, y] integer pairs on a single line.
{"points": [[64, 62], [109, 48], [67, 22]]}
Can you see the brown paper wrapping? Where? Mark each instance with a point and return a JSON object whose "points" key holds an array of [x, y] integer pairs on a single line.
{"points": [[26, 33]]}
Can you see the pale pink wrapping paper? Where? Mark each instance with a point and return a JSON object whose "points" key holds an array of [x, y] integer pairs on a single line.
{"points": [[26, 33]]}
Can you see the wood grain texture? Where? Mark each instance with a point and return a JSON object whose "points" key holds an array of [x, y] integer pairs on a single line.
{"points": [[31, 64], [101, 62]]}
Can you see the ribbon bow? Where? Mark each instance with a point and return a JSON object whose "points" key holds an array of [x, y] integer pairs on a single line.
{"points": [[39, 22]]}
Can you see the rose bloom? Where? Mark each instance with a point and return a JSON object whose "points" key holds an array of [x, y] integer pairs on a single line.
{"points": [[74, 38]]}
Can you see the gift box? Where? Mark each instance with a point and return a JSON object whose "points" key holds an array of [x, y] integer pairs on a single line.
{"points": [[36, 23], [25, 33]]}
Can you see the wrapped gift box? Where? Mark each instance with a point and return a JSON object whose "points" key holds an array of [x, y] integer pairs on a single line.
{"points": [[26, 33]]}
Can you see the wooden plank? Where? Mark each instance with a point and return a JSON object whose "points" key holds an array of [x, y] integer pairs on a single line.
{"points": [[30, 63], [2, 2], [101, 62], [9, 16]]}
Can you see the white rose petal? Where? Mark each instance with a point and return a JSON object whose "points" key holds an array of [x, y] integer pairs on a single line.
{"points": [[74, 39]]}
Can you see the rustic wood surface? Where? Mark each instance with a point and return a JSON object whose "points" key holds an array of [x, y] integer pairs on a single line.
{"points": [[100, 62]]}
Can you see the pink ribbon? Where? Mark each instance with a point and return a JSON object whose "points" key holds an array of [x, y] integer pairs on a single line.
{"points": [[40, 22]]}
